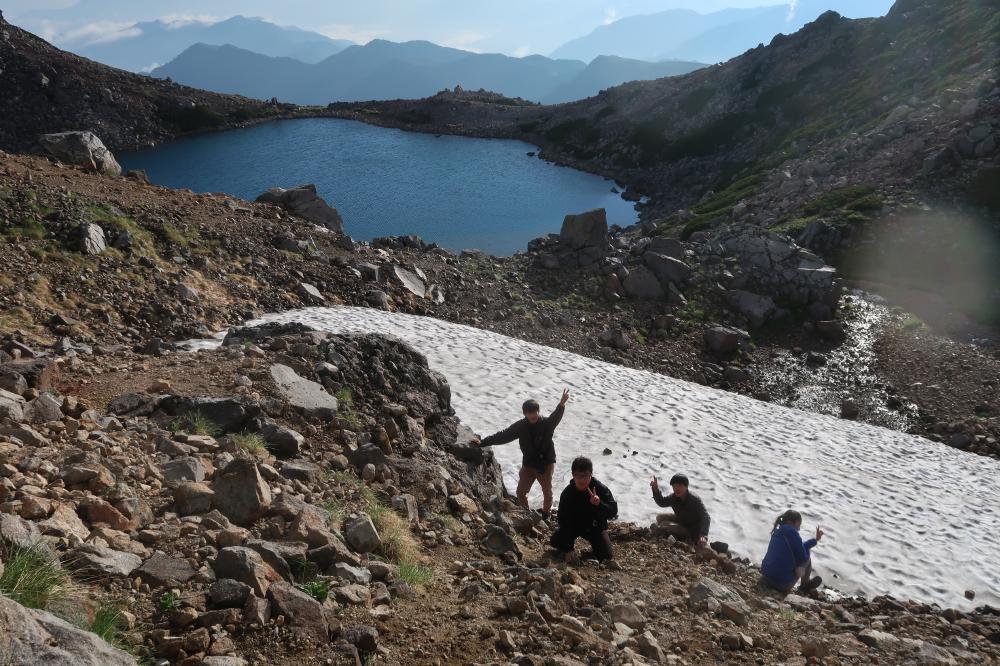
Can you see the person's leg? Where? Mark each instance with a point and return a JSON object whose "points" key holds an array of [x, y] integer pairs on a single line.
{"points": [[525, 479], [562, 540], [808, 583], [676, 530], [600, 543], [545, 481]]}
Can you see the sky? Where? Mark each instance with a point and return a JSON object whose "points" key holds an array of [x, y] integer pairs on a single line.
{"points": [[513, 27]]}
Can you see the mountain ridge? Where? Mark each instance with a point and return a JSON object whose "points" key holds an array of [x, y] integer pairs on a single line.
{"points": [[407, 69], [158, 42]]}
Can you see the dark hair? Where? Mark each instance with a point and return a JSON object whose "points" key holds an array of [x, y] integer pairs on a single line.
{"points": [[787, 518], [582, 464], [679, 478], [530, 406]]}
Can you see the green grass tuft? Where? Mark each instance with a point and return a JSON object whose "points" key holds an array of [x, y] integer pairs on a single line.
{"points": [[415, 575], [249, 441], [201, 424], [32, 577], [317, 589], [169, 601]]}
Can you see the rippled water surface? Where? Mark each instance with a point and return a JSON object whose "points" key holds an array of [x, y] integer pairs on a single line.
{"points": [[455, 191]]}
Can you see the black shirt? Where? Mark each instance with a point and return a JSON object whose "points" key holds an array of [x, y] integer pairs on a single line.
{"points": [[690, 511], [537, 449], [579, 516]]}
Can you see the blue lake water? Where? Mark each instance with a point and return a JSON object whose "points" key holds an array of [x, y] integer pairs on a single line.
{"points": [[455, 191]]}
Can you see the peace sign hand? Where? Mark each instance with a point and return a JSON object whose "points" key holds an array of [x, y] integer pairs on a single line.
{"points": [[594, 499], [565, 397]]}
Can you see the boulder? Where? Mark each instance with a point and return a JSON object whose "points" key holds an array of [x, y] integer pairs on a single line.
{"points": [[303, 613], [15, 531], [629, 615], [588, 229], [670, 247], [305, 203], [97, 560], [361, 535], [304, 394], [240, 492], [280, 440], [757, 309], [724, 341], [667, 269], [301, 470], [35, 637], [161, 570], [82, 149], [39, 373], [642, 283], [64, 522], [11, 406], [193, 498], [228, 593], [92, 239], [183, 469], [409, 280], [44, 409], [246, 566]]}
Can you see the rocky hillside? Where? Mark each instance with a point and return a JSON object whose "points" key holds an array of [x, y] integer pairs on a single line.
{"points": [[45, 90], [871, 135], [297, 497]]}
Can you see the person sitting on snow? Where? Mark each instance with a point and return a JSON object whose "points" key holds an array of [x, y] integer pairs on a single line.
{"points": [[690, 520]]}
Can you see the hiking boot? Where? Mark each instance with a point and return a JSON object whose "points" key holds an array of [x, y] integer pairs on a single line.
{"points": [[545, 514], [810, 585], [720, 547]]}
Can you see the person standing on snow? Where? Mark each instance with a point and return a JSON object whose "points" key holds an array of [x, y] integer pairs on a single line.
{"points": [[538, 451]]}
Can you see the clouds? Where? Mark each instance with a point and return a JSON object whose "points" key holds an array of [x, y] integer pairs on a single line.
{"points": [[96, 32], [793, 6], [610, 16]]}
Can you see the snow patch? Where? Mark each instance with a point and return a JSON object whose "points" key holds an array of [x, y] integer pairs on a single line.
{"points": [[902, 515]]}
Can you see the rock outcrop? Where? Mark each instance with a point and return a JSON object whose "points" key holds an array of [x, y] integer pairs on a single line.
{"points": [[303, 202], [82, 149]]}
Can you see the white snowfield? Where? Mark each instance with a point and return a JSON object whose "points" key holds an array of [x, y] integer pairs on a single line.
{"points": [[902, 515]]}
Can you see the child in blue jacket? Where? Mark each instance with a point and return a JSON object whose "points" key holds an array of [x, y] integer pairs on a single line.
{"points": [[787, 560]]}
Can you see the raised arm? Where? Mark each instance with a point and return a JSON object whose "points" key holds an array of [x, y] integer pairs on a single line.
{"points": [[505, 436], [658, 496], [556, 416]]}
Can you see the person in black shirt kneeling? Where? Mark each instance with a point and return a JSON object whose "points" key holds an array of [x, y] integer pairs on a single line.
{"points": [[585, 507]]}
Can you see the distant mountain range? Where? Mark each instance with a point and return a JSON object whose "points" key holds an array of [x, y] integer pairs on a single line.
{"points": [[155, 43], [383, 70], [683, 34]]}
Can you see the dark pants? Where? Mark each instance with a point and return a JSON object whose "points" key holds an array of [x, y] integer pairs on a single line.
{"points": [[564, 540]]}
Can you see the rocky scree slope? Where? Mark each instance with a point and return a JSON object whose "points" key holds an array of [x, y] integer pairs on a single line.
{"points": [[223, 515], [848, 129], [101, 264], [45, 90]]}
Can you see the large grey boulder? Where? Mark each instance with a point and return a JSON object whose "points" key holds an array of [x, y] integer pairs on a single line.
{"points": [[667, 269], [98, 560], [409, 280], [240, 492], [35, 637], [92, 239], [302, 612], [304, 394], [757, 309], [246, 566], [588, 229], [11, 406], [362, 535], [83, 149], [642, 283], [305, 203]]}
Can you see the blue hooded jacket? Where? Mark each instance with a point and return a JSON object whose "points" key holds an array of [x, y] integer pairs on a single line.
{"points": [[785, 553]]}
